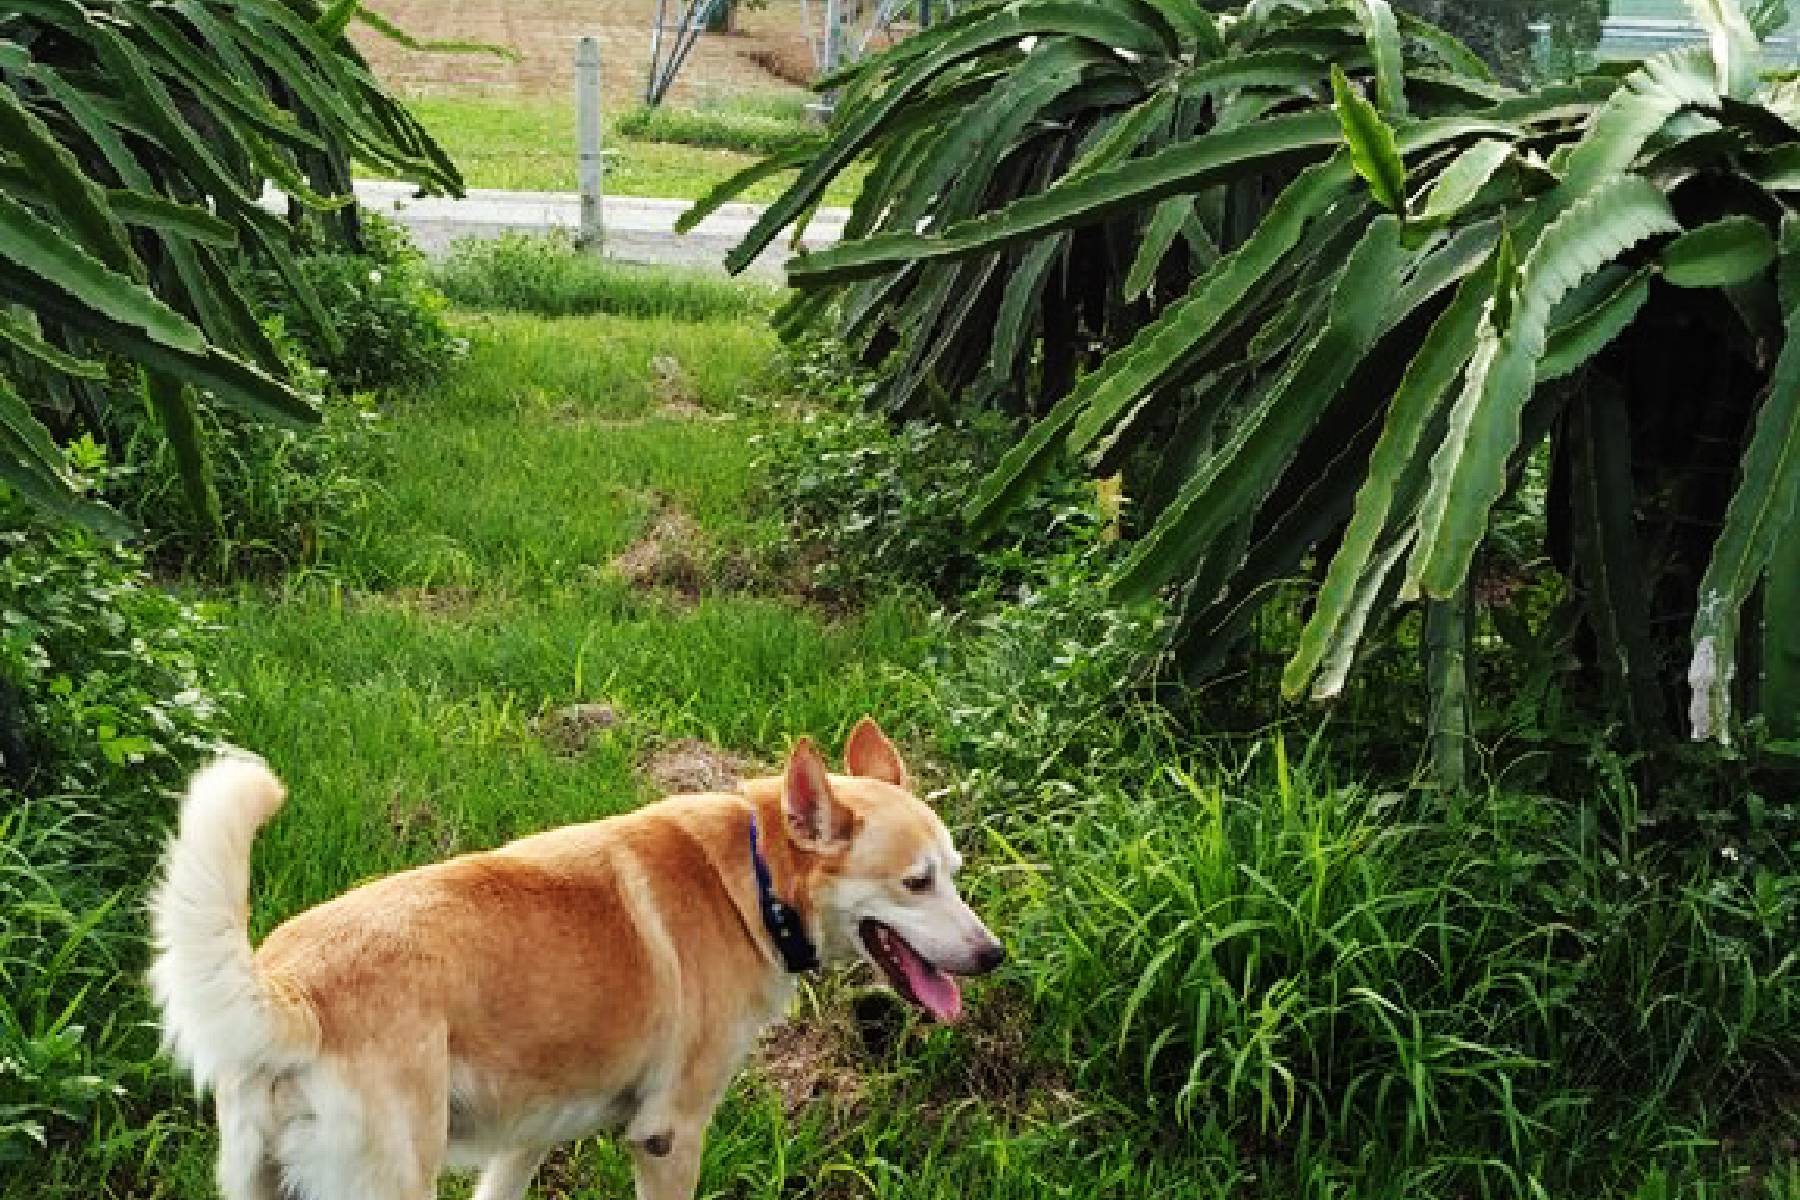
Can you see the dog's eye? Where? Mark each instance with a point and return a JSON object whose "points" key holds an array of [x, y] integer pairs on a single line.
{"points": [[919, 883]]}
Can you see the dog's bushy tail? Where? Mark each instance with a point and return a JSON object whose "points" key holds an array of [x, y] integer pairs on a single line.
{"points": [[216, 1014]]}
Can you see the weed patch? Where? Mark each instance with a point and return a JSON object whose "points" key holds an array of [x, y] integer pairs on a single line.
{"points": [[882, 504], [778, 124], [572, 728], [549, 276]]}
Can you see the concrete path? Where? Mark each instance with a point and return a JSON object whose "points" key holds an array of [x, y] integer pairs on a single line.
{"points": [[637, 230]]}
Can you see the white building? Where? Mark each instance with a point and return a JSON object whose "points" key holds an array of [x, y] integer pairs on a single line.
{"points": [[1639, 28]]}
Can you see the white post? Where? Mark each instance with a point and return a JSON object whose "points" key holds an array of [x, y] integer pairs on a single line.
{"points": [[587, 117]]}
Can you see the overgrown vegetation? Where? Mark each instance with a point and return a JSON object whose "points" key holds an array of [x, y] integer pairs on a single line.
{"points": [[549, 276], [755, 125], [611, 536], [1342, 986], [104, 705], [378, 321], [284, 494], [1174, 278], [1331, 987], [878, 504]]}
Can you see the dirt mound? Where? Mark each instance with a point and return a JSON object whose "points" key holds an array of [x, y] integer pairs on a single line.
{"points": [[790, 62], [810, 1060], [676, 395], [669, 555], [691, 765], [573, 728], [444, 603]]}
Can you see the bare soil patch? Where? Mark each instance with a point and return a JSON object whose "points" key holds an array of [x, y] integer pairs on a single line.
{"points": [[673, 387], [687, 765], [671, 554], [543, 35], [572, 728], [812, 1060]]}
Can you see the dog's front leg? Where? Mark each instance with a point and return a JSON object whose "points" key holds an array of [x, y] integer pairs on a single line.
{"points": [[508, 1174], [666, 1163]]}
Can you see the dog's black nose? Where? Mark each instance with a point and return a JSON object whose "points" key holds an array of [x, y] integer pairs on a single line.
{"points": [[990, 958]]}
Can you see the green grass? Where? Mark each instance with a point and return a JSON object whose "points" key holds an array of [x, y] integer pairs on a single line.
{"points": [[1230, 979], [544, 454], [752, 129], [399, 700], [548, 276], [406, 731], [527, 143]]}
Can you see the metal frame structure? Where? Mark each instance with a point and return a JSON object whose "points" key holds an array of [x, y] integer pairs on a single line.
{"points": [[696, 15], [844, 31]]}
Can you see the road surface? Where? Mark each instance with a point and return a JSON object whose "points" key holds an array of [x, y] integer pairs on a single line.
{"points": [[637, 229]]}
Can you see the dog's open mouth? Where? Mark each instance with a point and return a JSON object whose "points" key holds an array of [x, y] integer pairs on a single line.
{"points": [[910, 973]]}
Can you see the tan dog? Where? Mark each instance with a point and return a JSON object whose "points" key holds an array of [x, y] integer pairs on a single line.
{"points": [[608, 976]]}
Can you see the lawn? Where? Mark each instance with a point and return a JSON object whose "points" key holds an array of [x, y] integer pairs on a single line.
{"points": [[405, 697], [574, 516], [526, 142], [1081, 511]]}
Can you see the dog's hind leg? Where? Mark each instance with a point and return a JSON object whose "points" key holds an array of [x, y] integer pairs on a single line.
{"points": [[378, 1125], [247, 1169], [508, 1174]]}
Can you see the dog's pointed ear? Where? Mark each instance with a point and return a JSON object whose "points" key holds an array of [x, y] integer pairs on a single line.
{"points": [[869, 754], [814, 817]]}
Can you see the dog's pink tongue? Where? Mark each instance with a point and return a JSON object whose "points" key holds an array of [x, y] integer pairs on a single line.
{"points": [[934, 989]]}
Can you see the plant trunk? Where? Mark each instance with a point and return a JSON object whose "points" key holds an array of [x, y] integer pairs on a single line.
{"points": [[1781, 637], [1447, 684]]}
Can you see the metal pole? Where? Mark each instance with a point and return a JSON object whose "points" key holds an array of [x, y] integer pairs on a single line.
{"points": [[839, 14], [652, 96], [834, 37], [587, 117]]}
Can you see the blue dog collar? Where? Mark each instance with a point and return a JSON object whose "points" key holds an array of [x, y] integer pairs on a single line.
{"points": [[798, 953]]}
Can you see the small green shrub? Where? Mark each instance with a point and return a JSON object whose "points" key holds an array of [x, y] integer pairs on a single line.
{"points": [[766, 128], [550, 276], [388, 318], [878, 504], [1035, 690], [284, 495], [102, 670], [104, 708]]}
